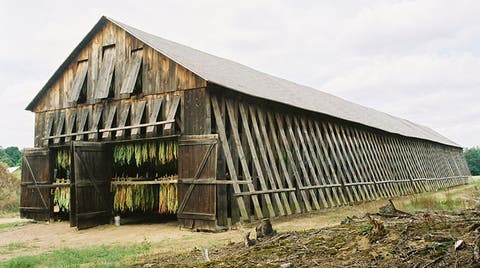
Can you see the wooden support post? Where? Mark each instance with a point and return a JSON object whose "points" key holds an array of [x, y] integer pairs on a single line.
{"points": [[364, 190], [320, 172], [360, 165], [272, 163], [291, 161], [380, 161], [338, 157], [368, 158], [241, 156], [328, 157], [228, 158], [322, 154], [256, 162], [300, 162], [264, 158], [281, 159], [306, 154]]}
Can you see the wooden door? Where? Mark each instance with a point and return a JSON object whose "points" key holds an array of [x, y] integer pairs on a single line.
{"points": [[35, 201], [197, 166], [92, 163]]}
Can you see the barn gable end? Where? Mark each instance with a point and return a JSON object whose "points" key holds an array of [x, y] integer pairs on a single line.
{"points": [[103, 38]]}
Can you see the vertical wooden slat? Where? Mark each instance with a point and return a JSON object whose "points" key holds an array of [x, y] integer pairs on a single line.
{"points": [[263, 157], [345, 158], [397, 171], [273, 165], [364, 189], [296, 149], [122, 119], [283, 165], [228, 158], [321, 173], [323, 145], [381, 161], [367, 158], [60, 126], [360, 165], [314, 175], [70, 123], [241, 156], [256, 163], [339, 161], [400, 169], [291, 161], [320, 157]]}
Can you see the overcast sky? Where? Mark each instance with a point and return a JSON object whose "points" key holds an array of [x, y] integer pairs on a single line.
{"points": [[419, 60]]}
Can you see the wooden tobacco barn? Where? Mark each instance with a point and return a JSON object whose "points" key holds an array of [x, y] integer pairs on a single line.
{"points": [[137, 126]]}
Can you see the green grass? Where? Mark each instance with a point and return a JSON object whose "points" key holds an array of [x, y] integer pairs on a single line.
{"points": [[10, 214], [97, 256], [11, 225], [429, 202], [14, 246]]}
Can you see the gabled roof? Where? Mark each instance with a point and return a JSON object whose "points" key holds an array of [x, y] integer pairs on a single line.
{"points": [[248, 81]]}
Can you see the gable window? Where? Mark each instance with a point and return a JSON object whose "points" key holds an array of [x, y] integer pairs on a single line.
{"points": [[132, 83], [105, 84], [78, 92]]}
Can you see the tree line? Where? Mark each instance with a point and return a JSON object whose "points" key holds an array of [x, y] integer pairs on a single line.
{"points": [[11, 156], [472, 155]]}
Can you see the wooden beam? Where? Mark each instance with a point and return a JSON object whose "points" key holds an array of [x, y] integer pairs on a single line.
{"points": [[281, 159], [306, 154], [296, 173], [271, 157], [300, 161], [228, 157], [328, 157], [256, 162]]}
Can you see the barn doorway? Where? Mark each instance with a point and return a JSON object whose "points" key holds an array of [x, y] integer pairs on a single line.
{"points": [[144, 180]]}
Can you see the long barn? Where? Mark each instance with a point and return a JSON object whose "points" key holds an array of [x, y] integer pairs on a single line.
{"points": [[137, 126]]}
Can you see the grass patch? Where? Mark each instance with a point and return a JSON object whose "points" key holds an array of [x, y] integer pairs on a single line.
{"points": [[97, 256], [430, 202], [10, 225], [10, 214], [14, 246]]}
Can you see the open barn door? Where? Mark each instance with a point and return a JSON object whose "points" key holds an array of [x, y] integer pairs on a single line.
{"points": [[35, 186], [92, 163], [197, 166]]}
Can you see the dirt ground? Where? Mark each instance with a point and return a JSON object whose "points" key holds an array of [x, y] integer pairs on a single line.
{"points": [[168, 239]]}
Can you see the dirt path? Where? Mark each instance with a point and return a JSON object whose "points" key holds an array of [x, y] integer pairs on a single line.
{"points": [[12, 220], [36, 238]]}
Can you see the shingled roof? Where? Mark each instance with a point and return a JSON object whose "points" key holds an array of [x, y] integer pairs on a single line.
{"points": [[246, 80]]}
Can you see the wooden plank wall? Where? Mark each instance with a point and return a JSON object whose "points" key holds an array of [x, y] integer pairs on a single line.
{"points": [[160, 76], [108, 110], [281, 162], [159, 73]]}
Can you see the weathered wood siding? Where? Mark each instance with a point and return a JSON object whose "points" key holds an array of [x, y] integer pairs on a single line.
{"points": [[282, 160], [160, 78]]}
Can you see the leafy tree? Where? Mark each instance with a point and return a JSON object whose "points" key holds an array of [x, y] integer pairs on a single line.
{"points": [[472, 155], [11, 156]]}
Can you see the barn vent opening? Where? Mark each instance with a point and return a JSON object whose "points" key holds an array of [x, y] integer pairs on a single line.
{"points": [[61, 192], [144, 182]]}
